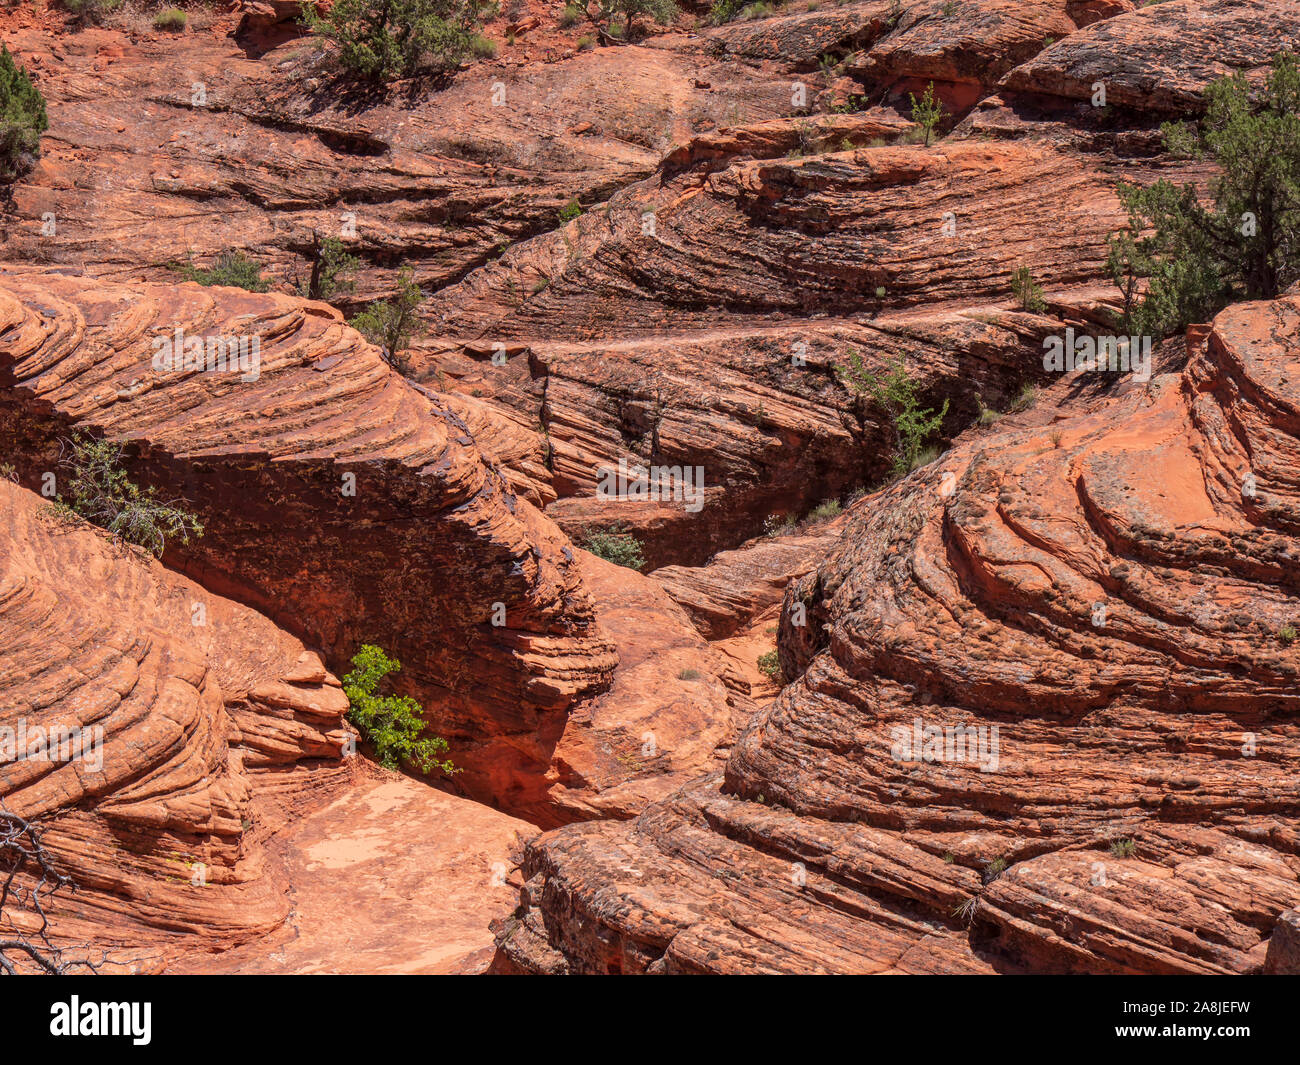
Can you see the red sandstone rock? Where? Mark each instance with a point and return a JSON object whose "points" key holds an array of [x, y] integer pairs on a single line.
{"points": [[203, 726], [1161, 57], [1106, 596]]}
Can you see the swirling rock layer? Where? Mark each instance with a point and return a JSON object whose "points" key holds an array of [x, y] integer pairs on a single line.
{"points": [[190, 728], [342, 502], [1114, 595]]}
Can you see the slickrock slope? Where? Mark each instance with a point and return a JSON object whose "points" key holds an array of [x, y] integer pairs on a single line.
{"points": [[1111, 593], [201, 729], [160, 149], [1160, 58], [338, 499], [391, 876], [698, 319]]}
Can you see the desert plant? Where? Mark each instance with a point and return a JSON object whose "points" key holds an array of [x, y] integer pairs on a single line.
{"points": [[724, 11], [570, 211], [689, 674], [232, 268], [615, 545], [92, 11], [770, 664], [22, 119], [100, 491], [927, 111], [896, 395], [824, 511], [661, 11], [1247, 244], [390, 324], [392, 724], [1287, 634], [331, 269], [1027, 293], [1123, 848], [572, 15], [170, 20], [383, 39]]}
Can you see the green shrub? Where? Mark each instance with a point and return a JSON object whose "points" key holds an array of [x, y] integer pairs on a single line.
{"points": [[331, 270], [927, 111], [1028, 294], [390, 324], [483, 47], [824, 510], [100, 491], [662, 11], [570, 211], [724, 11], [382, 39], [615, 545], [897, 397], [572, 15], [770, 664], [1199, 259], [392, 724], [22, 119], [171, 20], [232, 268], [1123, 848], [92, 11], [1287, 634]]}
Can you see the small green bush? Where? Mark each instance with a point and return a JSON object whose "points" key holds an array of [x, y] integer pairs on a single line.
{"points": [[331, 270], [1123, 848], [1028, 294], [232, 268], [1287, 634], [927, 111], [897, 396], [572, 15], [390, 324], [100, 491], [615, 545], [724, 11], [392, 724], [570, 211], [170, 20], [92, 11], [22, 119], [824, 511], [770, 664]]}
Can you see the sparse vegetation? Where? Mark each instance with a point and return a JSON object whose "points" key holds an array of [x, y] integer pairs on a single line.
{"points": [[170, 20], [824, 511], [393, 725], [384, 39], [661, 11], [770, 665], [570, 211], [1028, 294], [100, 491], [689, 674], [572, 15], [391, 324], [22, 119], [927, 111], [232, 268], [1287, 634], [1197, 258], [92, 11], [331, 269], [897, 396], [615, 545], [1123, 848], [994, 869]]}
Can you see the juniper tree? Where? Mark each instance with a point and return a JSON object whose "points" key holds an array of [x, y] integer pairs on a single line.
{"points": [[22, 119], [1245, 243]]}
